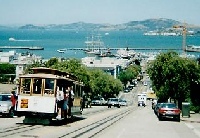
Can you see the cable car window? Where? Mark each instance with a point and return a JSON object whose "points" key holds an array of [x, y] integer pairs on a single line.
{"points": [[37, 85], [26, 86], [49, 86]]}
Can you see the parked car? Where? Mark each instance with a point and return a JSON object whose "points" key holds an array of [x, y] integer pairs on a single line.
{"points": [[113, 102], [126, 90], [122, 102], [98, 101], [169, 110], [6, 104], [156, 108]]}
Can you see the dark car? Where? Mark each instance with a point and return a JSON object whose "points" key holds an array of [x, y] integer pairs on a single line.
{"points": [[141, 103], [113, 102], [126, 90], [156, 108], [169, 110]]}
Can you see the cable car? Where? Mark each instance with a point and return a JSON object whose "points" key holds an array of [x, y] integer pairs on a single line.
{"points": [[38, 95]]}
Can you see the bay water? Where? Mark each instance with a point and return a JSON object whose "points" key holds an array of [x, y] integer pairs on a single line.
{"points": [[52, 40]]}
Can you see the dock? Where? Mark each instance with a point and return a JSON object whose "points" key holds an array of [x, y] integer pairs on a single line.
{"points": [[83, 49], [126, 48], [22, 47]]}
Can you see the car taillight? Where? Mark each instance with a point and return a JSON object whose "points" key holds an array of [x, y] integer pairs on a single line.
{"points": [[161, 110], [177, 111]]}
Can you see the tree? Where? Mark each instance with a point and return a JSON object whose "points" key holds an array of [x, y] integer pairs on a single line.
{"points": [[130, 73], [103, 84], [6, 68], [51, 62], [6, 72], [172, 76]]}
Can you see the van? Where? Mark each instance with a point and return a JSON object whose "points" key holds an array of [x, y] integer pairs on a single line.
{"points": [[142, 98]]}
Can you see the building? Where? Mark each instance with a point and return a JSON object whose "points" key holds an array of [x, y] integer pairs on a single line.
{"points": [[112, 66], [22, 60], [6, 57]]}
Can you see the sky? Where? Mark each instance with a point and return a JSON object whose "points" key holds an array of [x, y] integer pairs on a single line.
{"points": [[41, 12]]}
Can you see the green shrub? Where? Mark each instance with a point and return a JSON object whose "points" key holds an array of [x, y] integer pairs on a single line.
{"points": [[196, 109]]}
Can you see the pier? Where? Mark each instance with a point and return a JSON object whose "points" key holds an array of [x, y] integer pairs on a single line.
{"points": [[82, 48], [126, 48], [22, 47]]}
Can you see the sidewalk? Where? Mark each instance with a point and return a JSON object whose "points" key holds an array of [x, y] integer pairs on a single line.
{"points": [[194, 118]]}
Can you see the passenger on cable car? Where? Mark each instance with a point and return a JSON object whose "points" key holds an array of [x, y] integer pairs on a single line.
{"points": [[71, 96], [60, 101], [65, 103]]}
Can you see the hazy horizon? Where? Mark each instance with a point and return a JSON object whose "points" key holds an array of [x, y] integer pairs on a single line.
{"points": [[44, 12]]}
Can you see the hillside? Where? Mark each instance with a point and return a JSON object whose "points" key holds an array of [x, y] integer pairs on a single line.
{"points": [[145, 25]]}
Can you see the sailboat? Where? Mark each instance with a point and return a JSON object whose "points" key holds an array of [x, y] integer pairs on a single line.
{"points": [[94, 45]]}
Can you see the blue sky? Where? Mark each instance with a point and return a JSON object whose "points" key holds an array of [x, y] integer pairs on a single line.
{"points": [[96, 11]]}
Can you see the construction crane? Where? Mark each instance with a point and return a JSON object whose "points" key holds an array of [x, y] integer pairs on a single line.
{"points": [[184, 33]]}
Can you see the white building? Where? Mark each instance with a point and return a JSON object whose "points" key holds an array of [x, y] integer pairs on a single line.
{"points": [[22, 61], [6, 57], [111, 66]]}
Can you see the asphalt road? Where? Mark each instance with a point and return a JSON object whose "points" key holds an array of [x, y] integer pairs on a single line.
{"points": [[142, 123]]}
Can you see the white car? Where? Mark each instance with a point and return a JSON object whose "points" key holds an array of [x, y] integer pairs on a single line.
{"points": [[113, 102], [122, 102], [5, 105], [98, 101]]}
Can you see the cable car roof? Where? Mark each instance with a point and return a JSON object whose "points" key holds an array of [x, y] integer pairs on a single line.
{"points": [[45, 70]]}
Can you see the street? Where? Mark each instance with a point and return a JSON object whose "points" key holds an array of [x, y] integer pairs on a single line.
{"points": [[140, 122], [143, 123]]}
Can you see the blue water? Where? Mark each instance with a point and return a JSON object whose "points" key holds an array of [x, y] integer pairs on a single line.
{"points": [[52, 40]]}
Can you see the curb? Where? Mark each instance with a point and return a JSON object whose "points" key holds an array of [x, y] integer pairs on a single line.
{"points": [[191, 121]]}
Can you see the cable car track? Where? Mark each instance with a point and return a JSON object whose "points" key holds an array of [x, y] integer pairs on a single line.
{"points": [[11, 131], [91, 130]]}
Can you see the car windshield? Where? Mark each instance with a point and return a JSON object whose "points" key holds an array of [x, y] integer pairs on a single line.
{"points": [[169, 105], [5, 97], [113, 99], [121, 100]]}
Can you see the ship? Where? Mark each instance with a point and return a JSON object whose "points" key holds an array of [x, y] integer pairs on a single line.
{"points": [[94, 45], [61, 50], [192, 48], [12, 39], [36, 48]]}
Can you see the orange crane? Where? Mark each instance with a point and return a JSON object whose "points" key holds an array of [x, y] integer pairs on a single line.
{"points": [[184, 31]]}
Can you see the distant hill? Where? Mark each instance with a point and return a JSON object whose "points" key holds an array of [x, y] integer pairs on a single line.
{"points": [[30, 26], [145, 25], [152, 24]]}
